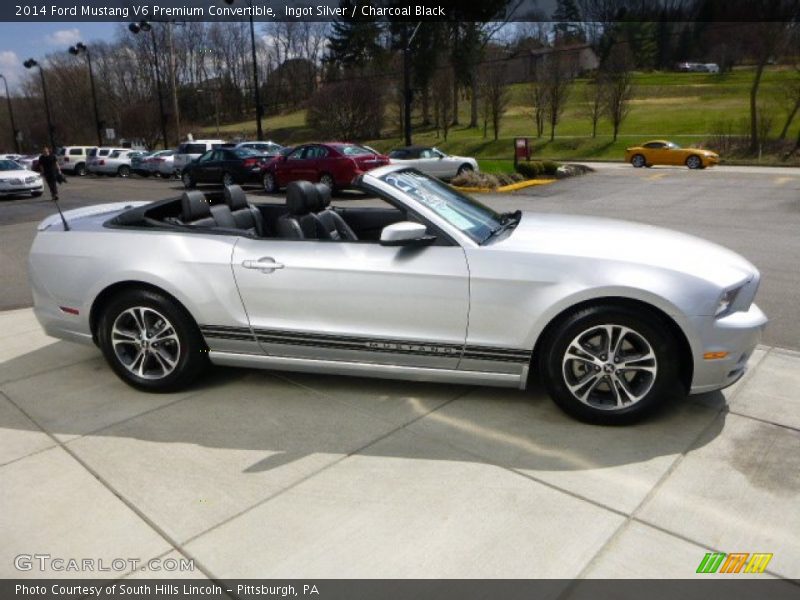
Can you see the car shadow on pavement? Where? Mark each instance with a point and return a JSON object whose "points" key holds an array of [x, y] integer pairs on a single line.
{"points": [[286, 420]]}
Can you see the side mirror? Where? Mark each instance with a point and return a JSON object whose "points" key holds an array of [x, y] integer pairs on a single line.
{"points": [[406, 233]]}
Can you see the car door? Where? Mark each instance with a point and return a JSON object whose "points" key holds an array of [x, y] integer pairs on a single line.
{"points": [[355, 301], [290, 168], [203, 167]]}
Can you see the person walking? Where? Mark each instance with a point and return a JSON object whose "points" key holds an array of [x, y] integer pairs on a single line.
{"points": [[48, 167]]}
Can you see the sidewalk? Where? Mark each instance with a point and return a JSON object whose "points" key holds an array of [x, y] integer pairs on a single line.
{"points": [[263, 474]]}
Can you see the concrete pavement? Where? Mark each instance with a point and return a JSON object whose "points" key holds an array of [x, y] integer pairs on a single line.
{"points": [[265, 474]]}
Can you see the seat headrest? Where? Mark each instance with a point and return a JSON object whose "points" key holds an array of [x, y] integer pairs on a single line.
{"points": [[194, 206], [235, 197], [301, 198], [324, 195]]}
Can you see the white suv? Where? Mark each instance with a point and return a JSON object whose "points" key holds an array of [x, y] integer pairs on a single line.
{"points": [[73, 159], [98, 154], [190, 150]]}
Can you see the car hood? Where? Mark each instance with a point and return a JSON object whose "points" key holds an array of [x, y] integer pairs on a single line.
{"points": [[627, 242], [17, 174]]}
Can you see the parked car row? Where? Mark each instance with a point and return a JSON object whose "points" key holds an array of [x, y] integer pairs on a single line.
{"points": [[264, 163]]}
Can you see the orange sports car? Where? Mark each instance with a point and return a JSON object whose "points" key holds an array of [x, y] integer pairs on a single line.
{"points": [[662, 152]]}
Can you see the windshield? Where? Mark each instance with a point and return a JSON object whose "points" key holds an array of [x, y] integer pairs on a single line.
{"points": [[474, 219], [9, 165], [673, 146]]}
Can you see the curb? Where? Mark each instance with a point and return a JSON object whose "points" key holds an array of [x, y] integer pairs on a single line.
{"points": [[506, 188]]}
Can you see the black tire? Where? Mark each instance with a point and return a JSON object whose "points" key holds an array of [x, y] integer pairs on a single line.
{"points": [[694, 162], [638, 161], [328, 180], [188, 180], [228, 179], [188, 349], [270, 183], [645, 333], [124, 171], [36, 194], [80, 170], [465, 168]]}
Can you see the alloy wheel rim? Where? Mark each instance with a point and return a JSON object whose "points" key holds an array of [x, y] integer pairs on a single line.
{"points": [[227, 179], [327, 180], [145, 343], [609, 367], [638, 161], [269, 184], [693, 162]]}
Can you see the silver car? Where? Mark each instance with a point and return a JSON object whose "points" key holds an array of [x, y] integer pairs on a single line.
{"points": [[614, 317]]}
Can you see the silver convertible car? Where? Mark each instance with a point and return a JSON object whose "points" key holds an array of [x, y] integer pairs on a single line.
{"points": [[428, 284]]}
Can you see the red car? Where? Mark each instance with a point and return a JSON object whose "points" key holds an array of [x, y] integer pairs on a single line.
{"points": [[333, 163]]}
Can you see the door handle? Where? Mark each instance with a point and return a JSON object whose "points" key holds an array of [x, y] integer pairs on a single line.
{"points": [[265, 265]]}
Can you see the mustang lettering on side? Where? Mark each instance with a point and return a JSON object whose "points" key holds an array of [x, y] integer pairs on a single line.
{"points": [[615, 318]]}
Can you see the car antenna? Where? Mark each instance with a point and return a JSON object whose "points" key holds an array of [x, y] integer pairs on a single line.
{"points": [[61, 214]]}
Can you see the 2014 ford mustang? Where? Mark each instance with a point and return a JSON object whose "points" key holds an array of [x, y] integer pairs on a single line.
{"points": [[427, 284]]}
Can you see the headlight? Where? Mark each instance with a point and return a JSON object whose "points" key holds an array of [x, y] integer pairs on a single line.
{"points": [[726, 301]]}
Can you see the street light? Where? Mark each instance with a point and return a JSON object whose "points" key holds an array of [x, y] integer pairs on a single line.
{"points": [[29, 64], [144, 26], [11, 115], [76, 50], [256, 93]]}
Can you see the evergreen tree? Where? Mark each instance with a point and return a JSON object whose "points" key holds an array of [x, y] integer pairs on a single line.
{"points": [[354, 43], [567, 18]]}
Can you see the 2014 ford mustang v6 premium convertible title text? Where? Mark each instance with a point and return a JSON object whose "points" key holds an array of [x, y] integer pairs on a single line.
{"points": [[614, 317]]}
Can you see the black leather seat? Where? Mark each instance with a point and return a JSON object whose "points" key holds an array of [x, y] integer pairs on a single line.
{"points": [[335, 227], [245, 216], [301, 222], [195, 210]]}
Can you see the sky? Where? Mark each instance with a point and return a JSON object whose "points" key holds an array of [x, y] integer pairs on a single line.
{"points": [[21, 41]]}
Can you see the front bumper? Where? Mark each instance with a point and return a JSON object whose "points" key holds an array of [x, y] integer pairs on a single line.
{"points": [[21, 189], [737, 334]]}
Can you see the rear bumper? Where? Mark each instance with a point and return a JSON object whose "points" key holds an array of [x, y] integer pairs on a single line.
{"points": [[737, 334]]}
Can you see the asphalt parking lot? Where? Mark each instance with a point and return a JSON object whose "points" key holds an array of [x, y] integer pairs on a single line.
{"points": [[264, 474]]}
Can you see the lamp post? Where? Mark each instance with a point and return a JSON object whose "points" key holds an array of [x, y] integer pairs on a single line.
{"points": [[144, 26], [11, 115], [29, 64], [256, 92], [76, 50]]}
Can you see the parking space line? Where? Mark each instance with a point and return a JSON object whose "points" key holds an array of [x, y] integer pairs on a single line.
{"points": [[656, 176], [783, 180]]}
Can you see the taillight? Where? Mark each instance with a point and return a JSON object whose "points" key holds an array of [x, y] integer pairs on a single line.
{"points": [[250, 162], [101, 162], [66, 159]]}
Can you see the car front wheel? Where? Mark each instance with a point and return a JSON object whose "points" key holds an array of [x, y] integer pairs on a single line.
{"points": [[327, 179], [465, 168], [150, 342], [694, 162], [188, 180], [124, 171], [228, 180], [610, 365]]}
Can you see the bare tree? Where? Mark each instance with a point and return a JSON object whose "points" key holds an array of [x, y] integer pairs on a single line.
{"points": [[556, 85], [442, 98], [536, 100], [495, 96], [617, 82], [792, 96], [352, 108], [593, 103]]}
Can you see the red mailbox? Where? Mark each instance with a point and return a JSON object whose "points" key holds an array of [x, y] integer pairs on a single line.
{"points": [[522, 149]]}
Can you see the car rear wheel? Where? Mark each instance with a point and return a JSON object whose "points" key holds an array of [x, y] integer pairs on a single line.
{"points": [[609, 365], [638, 161], [327, 179], [465, 168], [150, 342], [228, 179], [80, 170], [188, 181], [694, 162], [124, 171], [270, 183]]}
